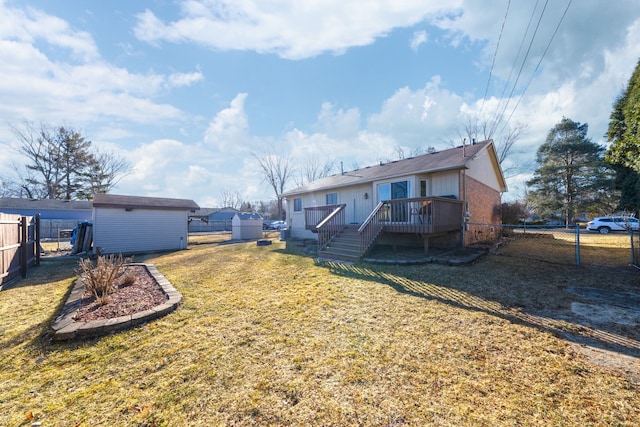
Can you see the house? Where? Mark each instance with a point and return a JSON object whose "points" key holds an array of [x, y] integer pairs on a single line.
{"points": [[55, 215], [423, 200], [211, 219], [132, 224]]}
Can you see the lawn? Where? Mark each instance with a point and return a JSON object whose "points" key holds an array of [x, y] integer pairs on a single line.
{"points": [[267, 336]]}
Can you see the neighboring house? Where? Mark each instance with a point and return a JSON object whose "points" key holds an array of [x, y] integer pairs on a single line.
{"points": [[132, 224], [211, 219], [55, 215], [76, 210], [419, 200]]}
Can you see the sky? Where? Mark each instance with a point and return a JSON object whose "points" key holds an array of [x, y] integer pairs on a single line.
{"points": [[190, 91]]}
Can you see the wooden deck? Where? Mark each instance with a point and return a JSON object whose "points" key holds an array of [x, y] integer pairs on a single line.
{"points": [[424, 216]]}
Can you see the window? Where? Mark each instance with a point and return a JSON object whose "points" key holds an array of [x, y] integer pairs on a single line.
{"points": [[423, 188], [332, 199], [297, 204]]}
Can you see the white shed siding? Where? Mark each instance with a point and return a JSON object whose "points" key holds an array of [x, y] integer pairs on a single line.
{"points": [[139, 230]]}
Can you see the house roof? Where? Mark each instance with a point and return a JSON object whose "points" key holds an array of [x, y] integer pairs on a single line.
{"points": [[440, 161], [44, 204], [202, 212], [138, 202]]}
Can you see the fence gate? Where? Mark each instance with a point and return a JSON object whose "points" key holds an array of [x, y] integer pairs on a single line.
{"points": [[19, 245]]}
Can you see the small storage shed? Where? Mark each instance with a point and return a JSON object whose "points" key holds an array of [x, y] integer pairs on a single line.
{"points": [[246, 226], [133, 224]]}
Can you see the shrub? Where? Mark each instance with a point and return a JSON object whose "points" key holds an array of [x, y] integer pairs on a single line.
{"points": [[100, 279], [128, 279]]}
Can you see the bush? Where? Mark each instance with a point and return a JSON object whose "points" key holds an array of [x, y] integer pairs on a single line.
{"points": [[100, 279]]}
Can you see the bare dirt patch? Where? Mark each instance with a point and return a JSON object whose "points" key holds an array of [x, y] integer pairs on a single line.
{"points": [[145, 293]]}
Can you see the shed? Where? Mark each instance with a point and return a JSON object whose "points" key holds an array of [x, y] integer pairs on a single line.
{"points": [[134, 224], [246, 226]]}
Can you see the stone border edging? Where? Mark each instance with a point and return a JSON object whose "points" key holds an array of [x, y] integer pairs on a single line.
{"points": [[66, 328]]}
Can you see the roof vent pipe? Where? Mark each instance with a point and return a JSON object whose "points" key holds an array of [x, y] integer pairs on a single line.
{"points": [[341, 168]]}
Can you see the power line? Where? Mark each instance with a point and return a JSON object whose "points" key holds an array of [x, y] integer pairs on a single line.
{"points": [[499, 117], [539, 62], [493, 62], [515, 61]]}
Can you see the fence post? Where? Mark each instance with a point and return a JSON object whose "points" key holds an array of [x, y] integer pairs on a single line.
{"points": [[633, 250], [37, 235], [578, 244], [24, 260]]}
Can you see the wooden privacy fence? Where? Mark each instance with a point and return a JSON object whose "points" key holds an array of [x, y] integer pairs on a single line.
{"points": [[19, 245]]}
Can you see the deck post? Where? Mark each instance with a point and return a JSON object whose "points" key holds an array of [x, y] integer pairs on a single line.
{"points": [[426, 245]]}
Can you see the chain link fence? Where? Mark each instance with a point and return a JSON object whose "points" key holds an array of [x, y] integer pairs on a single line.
{"points": [[557, 244]]}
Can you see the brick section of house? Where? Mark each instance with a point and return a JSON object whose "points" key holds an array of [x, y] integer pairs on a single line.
{"points": [[483, 203]]}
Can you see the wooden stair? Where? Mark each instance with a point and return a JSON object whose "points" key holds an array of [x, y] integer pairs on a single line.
{"points": [[344, 246]]}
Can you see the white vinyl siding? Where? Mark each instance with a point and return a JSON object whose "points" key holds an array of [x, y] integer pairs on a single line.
{"points": [[139, 230], [357, 210], [445, 184], [482, 169]]}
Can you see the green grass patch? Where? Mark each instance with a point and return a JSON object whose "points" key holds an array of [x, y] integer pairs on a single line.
{"points": [[269, 337]]}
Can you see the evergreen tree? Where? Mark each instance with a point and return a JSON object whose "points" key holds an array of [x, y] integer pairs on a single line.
{"points": [[61, 165], [624, 152], [572, 176], [624, 126]]}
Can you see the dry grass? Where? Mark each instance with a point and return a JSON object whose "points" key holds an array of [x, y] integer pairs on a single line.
{"points": [[268, 337], [559, 247]]}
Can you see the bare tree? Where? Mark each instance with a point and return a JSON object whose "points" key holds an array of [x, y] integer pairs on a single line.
{"points": [[60, 164], [41, 148], [312, 169], [276, 171], [504, 141], [106, 171], [231, 199]]}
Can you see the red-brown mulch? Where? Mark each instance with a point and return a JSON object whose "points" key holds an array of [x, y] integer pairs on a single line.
{"points": [[143, 294]]}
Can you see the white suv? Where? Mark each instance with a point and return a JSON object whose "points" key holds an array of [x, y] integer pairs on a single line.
{"points": [[605, 224]]}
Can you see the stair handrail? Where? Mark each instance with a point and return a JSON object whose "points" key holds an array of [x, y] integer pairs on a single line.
{"points": [[370, 228], [330, 226]]}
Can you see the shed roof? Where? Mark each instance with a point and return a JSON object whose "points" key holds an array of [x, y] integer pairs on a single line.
{"points": [[247, 215], [139, 202], [44, 204], [440, 161]]}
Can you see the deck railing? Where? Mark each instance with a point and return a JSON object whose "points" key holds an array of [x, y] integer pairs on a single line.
{"points": [[423, 215], [316, 214], [371, 228], [331, 225]]}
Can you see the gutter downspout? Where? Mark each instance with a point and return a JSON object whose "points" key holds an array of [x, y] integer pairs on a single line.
{"points": [[466, 207]]}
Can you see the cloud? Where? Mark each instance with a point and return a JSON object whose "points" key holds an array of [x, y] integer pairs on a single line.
{"points": [[291, 29], [338, 122], [80, 84], [419, 37], [184, 79], [420, 117], [229, 129], [30, 25]]}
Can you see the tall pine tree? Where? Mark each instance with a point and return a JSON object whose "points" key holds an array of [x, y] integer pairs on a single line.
{"points": [[572, 176]]}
